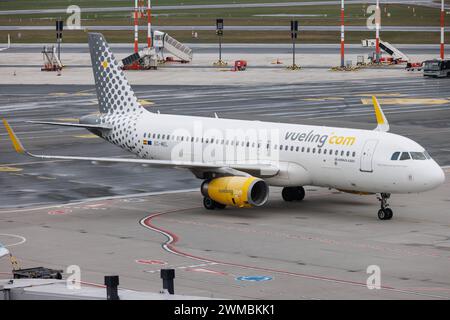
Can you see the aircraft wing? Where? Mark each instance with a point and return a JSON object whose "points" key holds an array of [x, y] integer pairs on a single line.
{"points": [[77, 125], [258, 169]]}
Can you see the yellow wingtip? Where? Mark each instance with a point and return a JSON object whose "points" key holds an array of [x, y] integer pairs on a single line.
{"points": [[15, 141], [378, 114]]}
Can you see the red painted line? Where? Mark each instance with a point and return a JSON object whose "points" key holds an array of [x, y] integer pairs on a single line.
{"points": [[172, 239]]}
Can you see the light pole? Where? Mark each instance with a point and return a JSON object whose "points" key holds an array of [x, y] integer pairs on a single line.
{"points": [[442, 29], [294, 31], [219, 32]]}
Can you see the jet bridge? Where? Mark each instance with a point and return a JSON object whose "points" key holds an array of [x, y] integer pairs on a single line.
{"points": [[162, 41], [396, 54]]}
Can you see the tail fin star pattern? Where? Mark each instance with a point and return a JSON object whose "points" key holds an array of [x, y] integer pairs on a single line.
{"points": [[114, 93]]}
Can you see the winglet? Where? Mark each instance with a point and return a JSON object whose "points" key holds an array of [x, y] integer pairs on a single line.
{"points": [[383, 124], [15, 141]]}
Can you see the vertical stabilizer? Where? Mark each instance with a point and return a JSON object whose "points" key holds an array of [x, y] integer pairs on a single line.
{"points": [[114, 93]]}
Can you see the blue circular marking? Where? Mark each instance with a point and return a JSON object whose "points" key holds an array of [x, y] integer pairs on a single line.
{"points": [[254, 278]]}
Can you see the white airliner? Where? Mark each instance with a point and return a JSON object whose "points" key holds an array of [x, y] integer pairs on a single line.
{"points": [[238, 159]]}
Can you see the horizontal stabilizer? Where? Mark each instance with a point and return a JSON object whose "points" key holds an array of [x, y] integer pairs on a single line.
{"points": [[77, 125]]}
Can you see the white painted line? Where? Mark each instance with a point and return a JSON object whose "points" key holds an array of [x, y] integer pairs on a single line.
{"points": [[82, 201], [22, 239]]}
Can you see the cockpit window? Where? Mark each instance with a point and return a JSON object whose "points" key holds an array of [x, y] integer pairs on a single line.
{"points": [[418, 156], [427, 155], [395, 156], [405, 156]]}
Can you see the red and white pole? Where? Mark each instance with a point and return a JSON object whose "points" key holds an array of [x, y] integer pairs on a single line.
{"points": [[377, 28], [442, 29], [149, 24], [136, 27], [342, 35]]}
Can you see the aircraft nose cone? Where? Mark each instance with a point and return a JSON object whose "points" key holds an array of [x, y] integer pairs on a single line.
{"points": [[440, 176], [437, 177]]}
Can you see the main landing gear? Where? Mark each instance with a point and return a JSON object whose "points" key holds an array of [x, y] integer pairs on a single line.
{"points": [[210, 204], [293, 193], [384, 213]]}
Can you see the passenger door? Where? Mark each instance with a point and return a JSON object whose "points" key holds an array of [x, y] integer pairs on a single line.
{"points": [[368, 150]]}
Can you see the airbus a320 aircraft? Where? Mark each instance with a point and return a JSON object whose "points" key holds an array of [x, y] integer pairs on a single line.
{"points": [[238, 159]]}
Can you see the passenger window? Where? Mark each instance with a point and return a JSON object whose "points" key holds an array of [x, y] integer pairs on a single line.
{"points": [[314, 150], [405, 156], [145, 134], [296, 149], [337, 152], [348, 153], [281, 147], [307, 150], [286, 148], [354, 154], [292, 148], [395, 156], [303, 149], [331, 152]]}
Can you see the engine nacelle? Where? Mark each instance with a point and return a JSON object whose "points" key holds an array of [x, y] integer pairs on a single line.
{"points": [[237, 191]]}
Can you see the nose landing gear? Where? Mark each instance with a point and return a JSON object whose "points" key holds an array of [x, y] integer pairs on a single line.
{"points": [[385, 213]]}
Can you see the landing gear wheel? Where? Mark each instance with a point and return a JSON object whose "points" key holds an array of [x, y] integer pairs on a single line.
{"points": [[389, 213], [293, 193], [219, 205], [385, 213], [288, 194], [381, 214], [300, 193], [209, 203]]}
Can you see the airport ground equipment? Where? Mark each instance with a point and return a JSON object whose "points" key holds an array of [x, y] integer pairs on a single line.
{"points": [[164, 42], [397, 55], [143, 60], [51, 60], [37, 273], [112, 283], [240, 65], [414, 66], [436, 68], [167, 275]]}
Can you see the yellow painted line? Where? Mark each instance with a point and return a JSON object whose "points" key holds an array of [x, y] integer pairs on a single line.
{"points": [[394, 94], [86, 136], [58, 94], [10, 169], [82, 94], [67, 119], [406, 101], [145, 102]]}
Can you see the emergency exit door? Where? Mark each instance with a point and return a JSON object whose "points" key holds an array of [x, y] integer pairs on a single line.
{"points": [[367, 155]]}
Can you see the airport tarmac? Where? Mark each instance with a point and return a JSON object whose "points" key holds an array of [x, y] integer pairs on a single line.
{"points": [[59, 213], [320, 248]]}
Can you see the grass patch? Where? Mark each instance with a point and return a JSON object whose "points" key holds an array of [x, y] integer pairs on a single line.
{"points": [[48, 37]]}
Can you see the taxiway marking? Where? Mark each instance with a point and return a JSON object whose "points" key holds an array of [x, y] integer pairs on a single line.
{"points": [[21, 241], [172, 239]]}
